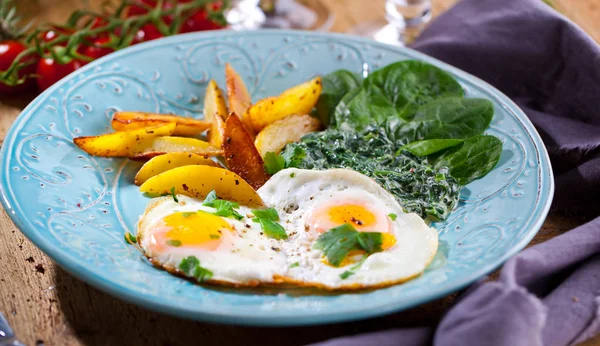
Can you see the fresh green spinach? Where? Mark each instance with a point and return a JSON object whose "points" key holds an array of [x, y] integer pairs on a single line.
{"points": [[335, 86], [475, 158]]}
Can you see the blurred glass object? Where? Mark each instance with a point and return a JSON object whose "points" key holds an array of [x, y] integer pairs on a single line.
{"points": [[404, 20], [279, 14]]}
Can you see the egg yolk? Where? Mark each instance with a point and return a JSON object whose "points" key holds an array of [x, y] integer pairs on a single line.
{"points": [[196, 229], [361, 217]]}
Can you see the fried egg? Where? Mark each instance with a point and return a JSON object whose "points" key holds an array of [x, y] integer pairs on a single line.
{"points": [[236, 252], [310, 203]]}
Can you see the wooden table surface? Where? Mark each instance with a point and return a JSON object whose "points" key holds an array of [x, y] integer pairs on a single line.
{"points": [[45, 305]]}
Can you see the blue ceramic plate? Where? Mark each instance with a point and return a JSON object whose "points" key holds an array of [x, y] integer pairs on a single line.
{"points": [[76, 208]]}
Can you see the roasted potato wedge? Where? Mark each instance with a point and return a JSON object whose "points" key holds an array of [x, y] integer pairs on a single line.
{"points": [[122, 143], [300, 99], [238, 96], [283, 131], [241, 155], [163, 163], [136, 120], [215, 111], [197, 181], [147, 149]]}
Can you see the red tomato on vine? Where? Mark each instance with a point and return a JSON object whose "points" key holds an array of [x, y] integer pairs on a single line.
{"points": [[9, 50]]}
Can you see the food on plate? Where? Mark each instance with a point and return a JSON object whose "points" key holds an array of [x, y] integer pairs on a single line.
{"points": [[198, 181], [186, 126], [331, 184], [199, 240], [150, 147], [163, 163], [215, 113], [239, 97], [335, 229], [290, 129], [241, 155], [122, 143], [300, 99]]}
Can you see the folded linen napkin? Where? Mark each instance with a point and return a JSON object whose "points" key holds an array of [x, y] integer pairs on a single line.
{"points": [[550, 293]]}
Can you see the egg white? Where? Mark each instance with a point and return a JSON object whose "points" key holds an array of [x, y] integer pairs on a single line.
{"points": [[245, 256], [295, 193]]}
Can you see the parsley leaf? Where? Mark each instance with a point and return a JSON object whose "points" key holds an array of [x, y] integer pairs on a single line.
{"points": [[130, 238], [174, 242], [215, 236], [346, 274], [339, 241], [370, 241], [274, 163], [191, 267], [174, 195], [393, 216], [222, 207], [267, 214], [267, 219], [292, 175], [294, 265], [187, 213]]}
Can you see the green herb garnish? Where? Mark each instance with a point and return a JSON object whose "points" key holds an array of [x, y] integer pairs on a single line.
{"points": [[353, 269], [215, 236], [346, 274], [174, 242], [222, 207], [267, 218], [191, 267], [393, 216], [188, 213], [274, 163], [295, 264], [130, 238], [338, 242], [174, 195], [292, 175]]}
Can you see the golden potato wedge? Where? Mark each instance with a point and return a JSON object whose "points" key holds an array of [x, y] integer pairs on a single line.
{"points": [[150, 148], [136, 120], [238, 96], [163, 163], [300, 99], [283, 131], [121, 143], [241, 155], [197, 181], [215, 111]]}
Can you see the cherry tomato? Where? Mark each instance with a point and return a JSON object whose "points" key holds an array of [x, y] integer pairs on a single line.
{"points": [[50, 71], [198, 21], [96, 49], [147, 33], [9, 50]]}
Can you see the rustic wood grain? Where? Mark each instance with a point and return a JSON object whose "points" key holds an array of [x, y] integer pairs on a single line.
{"points": [[46, 305]]}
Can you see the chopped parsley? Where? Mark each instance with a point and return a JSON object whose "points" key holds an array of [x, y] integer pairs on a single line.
{"points": [[393, 216], [191, 267], [130, 238], [215, 236], [346, 274], [222, 207], [267, 218], [174, 242], [174, 195], [292, 175], [274, 163], [294, 265], [353, 269], [339, 241], [188, 213]]}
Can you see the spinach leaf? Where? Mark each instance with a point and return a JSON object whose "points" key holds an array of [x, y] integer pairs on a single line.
{"points": [[335, 86], [450, 117], [395, 91], [475, 158], [456, 117], [410, 84], [430, 146]]}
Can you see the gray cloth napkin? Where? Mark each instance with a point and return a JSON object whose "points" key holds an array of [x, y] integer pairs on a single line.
{"points": [[548, 294]]}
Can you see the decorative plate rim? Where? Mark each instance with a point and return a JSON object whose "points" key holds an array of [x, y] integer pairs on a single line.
{"points": [[264, 318]]}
